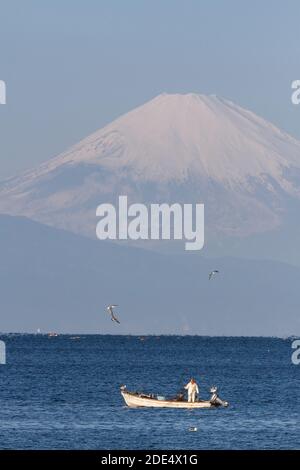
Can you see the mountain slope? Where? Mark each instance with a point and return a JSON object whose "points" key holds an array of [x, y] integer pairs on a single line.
{"points": [[55, 280], [175, 148]]}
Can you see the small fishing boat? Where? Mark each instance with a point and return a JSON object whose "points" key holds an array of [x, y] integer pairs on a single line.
{"points": [[137, 400], [52, 335]]}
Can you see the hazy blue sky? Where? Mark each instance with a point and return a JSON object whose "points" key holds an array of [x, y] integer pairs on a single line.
{"points": [[72, 66]]}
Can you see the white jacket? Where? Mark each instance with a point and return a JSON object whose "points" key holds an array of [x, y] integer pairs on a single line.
{"points": [[192, 388]]}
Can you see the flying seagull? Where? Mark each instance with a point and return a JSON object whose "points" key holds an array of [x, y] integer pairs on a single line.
{"points": [[212, 274], [110, 310]]}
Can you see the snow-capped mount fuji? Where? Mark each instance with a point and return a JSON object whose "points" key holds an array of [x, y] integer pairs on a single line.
{"points": [[174, 148], [175, 136]]}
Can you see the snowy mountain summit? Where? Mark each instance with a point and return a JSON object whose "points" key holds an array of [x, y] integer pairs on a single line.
{"points": [[174, 148]]}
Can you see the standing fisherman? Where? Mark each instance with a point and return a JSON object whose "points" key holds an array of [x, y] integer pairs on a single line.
{"points": [[193, 390]]}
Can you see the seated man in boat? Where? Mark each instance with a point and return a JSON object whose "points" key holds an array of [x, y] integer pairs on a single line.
{"points": [[193, 390]]}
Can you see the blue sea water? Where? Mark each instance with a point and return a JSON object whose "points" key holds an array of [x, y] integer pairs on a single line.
{"points": [[63, 393]]}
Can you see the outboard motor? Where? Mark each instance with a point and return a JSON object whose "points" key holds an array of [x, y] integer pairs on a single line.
{"points": [[215, 400]]}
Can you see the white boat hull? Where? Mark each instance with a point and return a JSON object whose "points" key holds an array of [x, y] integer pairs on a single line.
{"points": [[135, 401]]}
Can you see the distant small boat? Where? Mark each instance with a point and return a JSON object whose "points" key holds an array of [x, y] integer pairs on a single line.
{"points": [[52, 335], [137, 400]]}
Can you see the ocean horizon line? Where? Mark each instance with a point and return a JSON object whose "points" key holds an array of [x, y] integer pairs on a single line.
{"points": [[142, 335]]}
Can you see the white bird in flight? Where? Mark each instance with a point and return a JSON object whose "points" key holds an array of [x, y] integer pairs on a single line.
{"points": [[110, 310], [212, 274]]}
